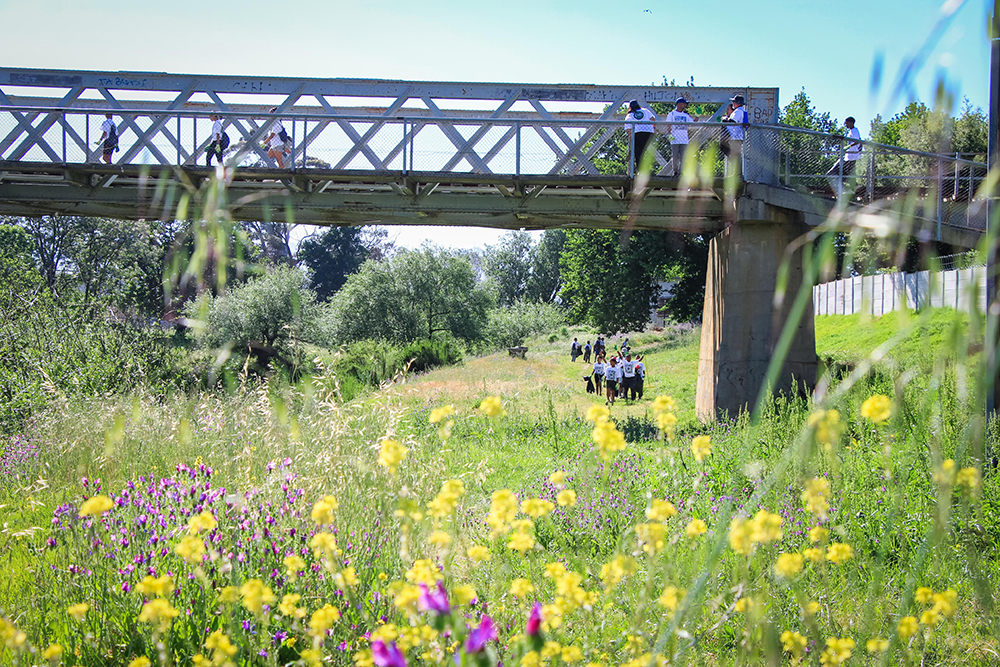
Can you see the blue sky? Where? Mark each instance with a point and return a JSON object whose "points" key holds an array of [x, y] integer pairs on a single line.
{"points": [[826, 46]]}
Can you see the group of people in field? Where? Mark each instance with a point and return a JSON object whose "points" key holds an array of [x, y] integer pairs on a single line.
{"points": [[615, 374]]}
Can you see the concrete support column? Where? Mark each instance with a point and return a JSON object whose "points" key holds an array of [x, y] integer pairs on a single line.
{"points": [[741, 325]]}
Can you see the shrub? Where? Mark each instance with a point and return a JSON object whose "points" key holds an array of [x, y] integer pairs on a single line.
{"points": [[512, 325]]}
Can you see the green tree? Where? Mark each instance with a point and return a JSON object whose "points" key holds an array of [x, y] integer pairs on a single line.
{"points": [[545, 280], [508, 266], [337, 252], [412, 295], [267, 315]]}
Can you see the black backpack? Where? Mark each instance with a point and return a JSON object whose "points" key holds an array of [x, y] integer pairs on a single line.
{"points": [[224, 141], [283, 135], [112, 139]]}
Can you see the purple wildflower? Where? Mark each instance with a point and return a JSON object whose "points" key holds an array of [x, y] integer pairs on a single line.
{"points": [[387, 655], [477, 639]]}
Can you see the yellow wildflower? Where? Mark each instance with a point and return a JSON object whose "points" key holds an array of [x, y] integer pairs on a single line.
{"points": [[220, 645], [930, 617], [598, 413], [837, 652], [813, 554], [439, 538], [652, 536], [228, 595], [52, 652], [323, 511], [571, 654], [521, 541], [537, 507], [288, 606], [464, 594], [346, 578], [818, 534], [608, 438], [660, 510], [555, 570], [816, 497], [663, 403], [827, 427], [968, 478], [766, 527], [744, 605], [447, 498], [923, 595], [322, 620], [788, 565], [438, 414], [203, 522], [158, 613], [811, 608], [701, 447], [740, 536], [141, 661], [391, 454], [558, 478], [424, 571], [10, 636], [945, 475], [531, 659], [839, 553], [96, 506], [191, 549], [78, 611], [878, 408], [521, 587], [944, 603], [566, 498], [615, 570], [551, 649], [293, 565], [492, 406], [671, 598], [667, 422], [907, 627], [478, 553], [794, 643], [255, 595], [503, 510], [324, 544], [695, 528], [407, 597], [877, 645]]}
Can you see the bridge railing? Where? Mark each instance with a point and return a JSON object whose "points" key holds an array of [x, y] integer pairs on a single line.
{"points": [[517, 143]]}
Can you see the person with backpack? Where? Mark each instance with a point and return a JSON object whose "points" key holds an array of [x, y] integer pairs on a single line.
{"points": [[276, 141], [586, 353], [574, 350], [612, 375], [599, 374], [109, 138], [639, 126], [220, 141]]}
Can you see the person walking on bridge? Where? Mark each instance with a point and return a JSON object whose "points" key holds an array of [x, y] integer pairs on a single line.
{"points": [[640, 129], [220, 141], [852, 152], [109, 138], [737, 133], [276, 141], [678, 134]]}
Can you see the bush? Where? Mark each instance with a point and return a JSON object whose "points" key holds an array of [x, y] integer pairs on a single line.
{"points": [[512, 325], [369, 363]]}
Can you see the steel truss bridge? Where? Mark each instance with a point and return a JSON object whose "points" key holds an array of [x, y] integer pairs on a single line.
{"points": [[405, 152]]}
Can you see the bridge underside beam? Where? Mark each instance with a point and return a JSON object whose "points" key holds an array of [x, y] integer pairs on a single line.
{"points": [[344, 198]]}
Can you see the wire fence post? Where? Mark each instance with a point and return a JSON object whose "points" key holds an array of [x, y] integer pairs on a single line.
{"points": [[64, 136], [840, 171], [178, 140], [871, 176], [940, 194], [305, 140], [788, 168], [517, 148], [413, 131], [86, 154], [631, 154]]}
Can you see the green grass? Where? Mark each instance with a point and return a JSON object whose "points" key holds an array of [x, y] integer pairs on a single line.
{"points": [[906, 530]]}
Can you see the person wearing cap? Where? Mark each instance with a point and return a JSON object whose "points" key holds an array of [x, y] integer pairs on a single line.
{"points": [[678, 134], [737, 132], [640, 128]]}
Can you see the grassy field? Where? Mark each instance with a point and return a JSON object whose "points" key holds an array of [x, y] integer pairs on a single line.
{"points": [[804, 536]]}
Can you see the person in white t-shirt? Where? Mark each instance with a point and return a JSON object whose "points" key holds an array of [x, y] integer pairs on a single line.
{"points": [[628, 377], [640, 129], [220, 141], [736, 134], [599, 374], [612, 375], [852, 153], [109, 138], [678, 134], [276, 142]]}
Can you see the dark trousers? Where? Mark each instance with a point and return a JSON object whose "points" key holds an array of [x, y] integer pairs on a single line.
{"points": [[214, 149], [586, 356], [641, 142], [635, 388]]}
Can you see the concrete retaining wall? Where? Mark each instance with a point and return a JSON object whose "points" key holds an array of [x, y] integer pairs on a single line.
{"points": [[962, 289]]}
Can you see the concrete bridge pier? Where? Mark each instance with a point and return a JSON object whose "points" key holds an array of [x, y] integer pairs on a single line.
{"points": [[741, 324]]}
